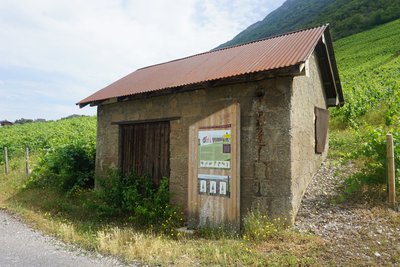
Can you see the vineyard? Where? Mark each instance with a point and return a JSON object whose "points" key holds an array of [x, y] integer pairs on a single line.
{"points": [[47, 136], [369, 66], [63, 151]]}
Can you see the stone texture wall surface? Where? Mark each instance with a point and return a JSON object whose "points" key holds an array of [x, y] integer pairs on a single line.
{"points": [[277, 141], [271, 182], [307, 93]]}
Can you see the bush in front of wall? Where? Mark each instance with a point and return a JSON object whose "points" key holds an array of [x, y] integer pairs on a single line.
{"points": [[135, 197]]}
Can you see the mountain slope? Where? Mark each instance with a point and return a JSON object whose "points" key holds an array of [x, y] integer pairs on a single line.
{"points": [[345, 16]]}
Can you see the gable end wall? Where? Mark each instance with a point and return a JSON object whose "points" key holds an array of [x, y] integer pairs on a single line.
{"points": [[307, 93]]}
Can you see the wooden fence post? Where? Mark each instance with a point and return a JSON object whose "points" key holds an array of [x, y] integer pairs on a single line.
{"points": [[27, 161], [390, 171], [6, 160]]}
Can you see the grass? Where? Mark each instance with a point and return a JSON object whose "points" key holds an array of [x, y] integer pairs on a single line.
{"points": [[70, 218]]}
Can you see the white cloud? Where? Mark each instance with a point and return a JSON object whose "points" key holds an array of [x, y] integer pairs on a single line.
{"points": [[85, 45]]}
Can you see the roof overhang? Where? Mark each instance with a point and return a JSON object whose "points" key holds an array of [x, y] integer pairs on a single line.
{"points": [[296, 70], [329, 70], [282, 55]]}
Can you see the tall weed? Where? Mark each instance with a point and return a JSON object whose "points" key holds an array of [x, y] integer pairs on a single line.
{"points": [[259, 227]]}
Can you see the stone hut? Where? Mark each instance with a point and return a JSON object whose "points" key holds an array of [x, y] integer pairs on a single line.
{"points": [[280, 89]]}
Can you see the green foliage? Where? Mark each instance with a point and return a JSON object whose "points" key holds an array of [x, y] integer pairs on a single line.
{"points": [[46, 135], [373, 150], [67, 161], [66, 168], [66, 149], [366, 147], [350, 17], [346, 18], [342, 143], [135, 197]]}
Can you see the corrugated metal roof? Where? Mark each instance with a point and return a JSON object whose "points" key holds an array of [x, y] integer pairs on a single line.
{"points": [[277, 52]]}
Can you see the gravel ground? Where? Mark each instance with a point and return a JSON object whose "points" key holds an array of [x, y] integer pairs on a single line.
{"points": [[22, 246], [361, 234]]}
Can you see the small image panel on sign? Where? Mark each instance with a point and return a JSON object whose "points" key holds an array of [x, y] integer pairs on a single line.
{"points": [[226, 148], [213, 187], [222, 188], [203, 186]]}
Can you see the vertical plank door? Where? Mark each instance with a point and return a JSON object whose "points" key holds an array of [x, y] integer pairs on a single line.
{"points": [[214, 170], [144, 149]]}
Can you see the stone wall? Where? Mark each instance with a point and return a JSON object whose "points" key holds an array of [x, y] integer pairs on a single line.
{"points": [[307, 94], [269, 120], [270, 150]]}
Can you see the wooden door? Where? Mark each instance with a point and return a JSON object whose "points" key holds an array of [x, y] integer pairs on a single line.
{"points": [[214, 170], [144, 149]]}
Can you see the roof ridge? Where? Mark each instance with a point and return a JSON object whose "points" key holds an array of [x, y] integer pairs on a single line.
{"points": [[272, 37], [238, 45]]}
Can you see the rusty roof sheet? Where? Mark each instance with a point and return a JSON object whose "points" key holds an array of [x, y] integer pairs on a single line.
{"points": [[276, 52]]}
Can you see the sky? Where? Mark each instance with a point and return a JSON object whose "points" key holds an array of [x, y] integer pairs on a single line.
{"points": [[55, 53]]}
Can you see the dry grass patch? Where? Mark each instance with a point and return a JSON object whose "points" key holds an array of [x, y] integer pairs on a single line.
{"points": [[293, 248], [135, 246], [157, 249], [286, 249], [298, 244]]}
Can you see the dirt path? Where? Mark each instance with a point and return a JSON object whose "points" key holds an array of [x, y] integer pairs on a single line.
{"points": [[356, 233], [22, 246]]}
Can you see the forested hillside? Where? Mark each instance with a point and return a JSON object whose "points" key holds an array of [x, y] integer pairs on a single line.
{"points": [[345, 16]]}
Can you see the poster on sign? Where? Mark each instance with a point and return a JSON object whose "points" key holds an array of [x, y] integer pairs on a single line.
{"points": [[214, 148]]}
